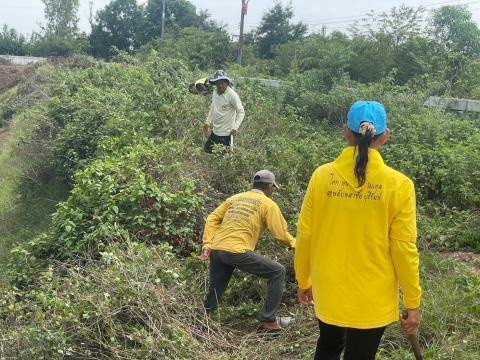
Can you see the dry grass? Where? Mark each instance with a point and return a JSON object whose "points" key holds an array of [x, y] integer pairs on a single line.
{"points": [[11, 75]]}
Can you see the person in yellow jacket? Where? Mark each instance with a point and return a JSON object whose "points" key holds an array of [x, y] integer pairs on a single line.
{"points": [[356, 243], [229, 240], [201, 86]]}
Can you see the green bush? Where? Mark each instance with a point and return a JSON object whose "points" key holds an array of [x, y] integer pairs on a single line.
{"points": [[135, 195], [198, 48], [439, 152], [116, 100], [443, 228], [134, 302]]}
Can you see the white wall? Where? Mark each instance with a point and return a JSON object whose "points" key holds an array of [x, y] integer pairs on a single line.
{"points": [[22, 60]]}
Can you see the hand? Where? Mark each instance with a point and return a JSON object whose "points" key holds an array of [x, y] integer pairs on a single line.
{"points": [[206, 129], [293, 244], [205, 255], [305, 296], [233, 132], [410, 321]]}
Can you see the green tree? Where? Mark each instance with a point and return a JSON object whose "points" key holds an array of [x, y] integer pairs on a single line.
{"points": [[276, 28], [60, 36], [207, 23], [199, 48], [178, 14], [11, 42], [456, 40], [412, 59], [329, 56], [61, 16], [396, 26], [452, 28], [53, 45], [386, 41], [120, 24]]}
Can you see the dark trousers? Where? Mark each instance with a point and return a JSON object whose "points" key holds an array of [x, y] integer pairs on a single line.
{"points": [[215, 139], [359, 344], [222, 264]]}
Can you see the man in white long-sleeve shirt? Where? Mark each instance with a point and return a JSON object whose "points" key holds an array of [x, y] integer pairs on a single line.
{"points": [[226, 112]]}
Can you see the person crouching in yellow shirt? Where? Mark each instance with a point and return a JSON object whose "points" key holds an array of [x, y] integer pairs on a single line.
{"points": [[229, 240], [356, 242], [201, 86]]}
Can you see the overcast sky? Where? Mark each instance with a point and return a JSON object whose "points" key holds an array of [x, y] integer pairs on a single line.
{"points": [[27, 15]]}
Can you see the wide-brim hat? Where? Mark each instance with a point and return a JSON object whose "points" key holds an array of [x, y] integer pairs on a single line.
{"points": [[219, 75]]}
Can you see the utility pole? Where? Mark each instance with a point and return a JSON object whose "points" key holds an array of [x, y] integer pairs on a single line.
{"points": [[163, 18], [90, 14], [240, 38]]}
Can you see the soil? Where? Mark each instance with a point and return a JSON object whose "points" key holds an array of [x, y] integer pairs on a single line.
{"points": [[471, 260], [10, 75]]}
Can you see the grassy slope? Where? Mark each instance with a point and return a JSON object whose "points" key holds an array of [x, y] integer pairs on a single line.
{"points": [[27, 196], [451, 317]]}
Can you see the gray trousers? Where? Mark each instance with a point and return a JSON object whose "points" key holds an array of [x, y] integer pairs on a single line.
{"points": [[222, 264]]}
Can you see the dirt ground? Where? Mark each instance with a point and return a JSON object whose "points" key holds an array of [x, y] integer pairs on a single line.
{"points": [[10, 75], [470, 259]]}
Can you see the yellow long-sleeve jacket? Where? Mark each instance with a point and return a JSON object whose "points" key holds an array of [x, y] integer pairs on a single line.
{"points": [[357, 244], [237, 223]]}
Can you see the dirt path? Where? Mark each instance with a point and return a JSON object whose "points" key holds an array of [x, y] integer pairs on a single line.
{"points": [[10, 75]]}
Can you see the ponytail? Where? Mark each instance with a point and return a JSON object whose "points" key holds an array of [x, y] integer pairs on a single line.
{"points": [[363, 141]]}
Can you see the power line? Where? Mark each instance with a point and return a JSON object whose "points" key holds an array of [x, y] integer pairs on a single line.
{"points": [[24, 6], [19, 7], [359, 17], [363, 16], [353, 18], [451, 2], [34, 1]]}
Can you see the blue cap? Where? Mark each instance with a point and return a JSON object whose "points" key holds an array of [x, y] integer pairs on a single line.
{"points": [[367, 111]]}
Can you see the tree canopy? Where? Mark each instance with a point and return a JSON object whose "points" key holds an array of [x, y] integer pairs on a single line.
{"points": [[276, 28], [454, 29], [120, 24], [11, 42], [61, 16]]}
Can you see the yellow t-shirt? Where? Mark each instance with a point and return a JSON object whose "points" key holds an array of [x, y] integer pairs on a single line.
{"points": [[203, 81], [237, 223], [356, 244]]}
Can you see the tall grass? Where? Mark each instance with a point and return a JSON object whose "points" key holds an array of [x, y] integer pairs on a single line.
{"points": [[28, 189], [140, 302]]}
